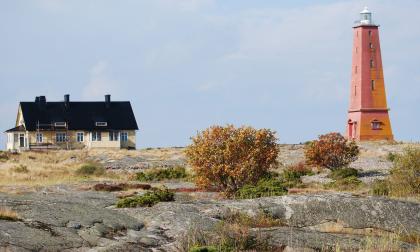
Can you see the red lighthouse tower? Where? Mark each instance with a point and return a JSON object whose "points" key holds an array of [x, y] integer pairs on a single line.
{"points": [[368, 117]]}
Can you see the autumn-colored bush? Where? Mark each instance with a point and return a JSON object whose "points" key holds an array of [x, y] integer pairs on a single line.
{"points": [[332, 151], [227, 158]]}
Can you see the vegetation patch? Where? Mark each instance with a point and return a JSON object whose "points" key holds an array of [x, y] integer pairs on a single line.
{"points": [[331, 151], [90, 169], [120, 187], [391, 156], [228, 158], [343, 173], [148, 199], [264, 188], [291, 176], [345, 184], [4, 156], [20, 169], [381, 188], [405, 174], [8, 214], [261, 220], [203, 249], [159, 174]]}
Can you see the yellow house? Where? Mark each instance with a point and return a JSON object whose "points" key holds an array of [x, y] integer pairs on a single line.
{"points": [[73, 125]]}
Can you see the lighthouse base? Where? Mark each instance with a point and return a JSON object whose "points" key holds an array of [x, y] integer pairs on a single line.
{"points": [[369, 126]]}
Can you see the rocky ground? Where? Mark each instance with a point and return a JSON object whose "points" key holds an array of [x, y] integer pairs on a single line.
{"points": [[73, 217], [64, 219]]}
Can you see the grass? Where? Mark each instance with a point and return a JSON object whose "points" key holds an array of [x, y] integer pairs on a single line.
{"points": [[234, 233], [8, 214], [343, 173], [345, 184], [159, 174], [380, 188], [106, 187], [148, 199], [4, 156], [264, 188], [20, 169], [90, 169]]}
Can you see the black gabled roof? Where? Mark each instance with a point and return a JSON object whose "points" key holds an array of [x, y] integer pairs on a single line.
{"points": [[79, 115], [19, 128]]}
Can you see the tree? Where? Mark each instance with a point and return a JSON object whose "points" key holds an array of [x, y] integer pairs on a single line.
{"points": [[331, 150], [227, 158]]}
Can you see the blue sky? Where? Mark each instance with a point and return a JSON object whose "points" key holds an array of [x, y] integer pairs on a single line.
{"points": [[189, 64]]}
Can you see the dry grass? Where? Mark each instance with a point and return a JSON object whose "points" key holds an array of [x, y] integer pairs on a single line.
{"points": [[8, 214], [46, 168]]}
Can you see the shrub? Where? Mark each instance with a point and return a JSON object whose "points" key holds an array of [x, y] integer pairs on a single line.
{"points": [[381, 188], [148, 199], [90, 169], [119, 187], [203, 249], [162, 174], [264, 188], [405, 174], [291, 176], [227, 158], [343, 173], [20, 169], [391, 156], [345, 184], [331, 150]]}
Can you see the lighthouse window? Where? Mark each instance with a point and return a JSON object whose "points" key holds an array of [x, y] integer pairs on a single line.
{"points": [[355, 69], [376, 125], [372, 84], [370, 33], [370, 45], [371, 63]]}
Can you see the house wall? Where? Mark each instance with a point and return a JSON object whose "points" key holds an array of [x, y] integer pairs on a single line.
{"points": [[50, 137]]}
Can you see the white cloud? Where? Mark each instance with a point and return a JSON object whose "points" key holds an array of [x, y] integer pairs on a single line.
{"points": [[100, 83]]}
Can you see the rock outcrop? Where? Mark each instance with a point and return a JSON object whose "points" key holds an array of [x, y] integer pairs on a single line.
{"points": [[78, 221]]}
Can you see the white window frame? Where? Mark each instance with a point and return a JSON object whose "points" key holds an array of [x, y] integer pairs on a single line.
{"points": [[96, 136], [39, 137], [124, 136], [60, 124], [60, 137], [114, 136], [101, 124], [80, 137]]}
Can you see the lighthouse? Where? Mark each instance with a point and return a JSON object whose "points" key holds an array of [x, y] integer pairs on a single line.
{"points": [[368, 114]]}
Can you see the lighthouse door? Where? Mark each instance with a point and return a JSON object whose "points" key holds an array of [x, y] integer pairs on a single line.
{"points": [[350, 129]]}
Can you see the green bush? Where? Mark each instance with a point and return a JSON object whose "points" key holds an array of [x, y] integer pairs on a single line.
{"points": [[381, 188], [20, 169], [162, 174], [203, 249], [148, 199], [264, 188], [90, 169], [343, 173], [405, 174], [391, 156], [345, 184]]}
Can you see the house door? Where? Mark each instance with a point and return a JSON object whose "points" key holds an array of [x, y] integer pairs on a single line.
{"points": [[21, 140]]}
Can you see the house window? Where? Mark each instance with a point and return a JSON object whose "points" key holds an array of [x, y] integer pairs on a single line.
{"points": [[96, 136], [80, 136], [376, 125], [372, 84], [371, 63], [124, 137], [101, 124], [39, 137], [60, 137], [60, 124], [113, 135], [15, 138]]}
